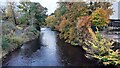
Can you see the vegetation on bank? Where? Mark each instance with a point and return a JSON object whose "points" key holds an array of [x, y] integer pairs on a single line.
{"points": [[13, 36], [20, 23], [74, 21]]}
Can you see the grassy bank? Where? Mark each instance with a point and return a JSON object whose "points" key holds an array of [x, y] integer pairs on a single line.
{"points": [[14, 36]]}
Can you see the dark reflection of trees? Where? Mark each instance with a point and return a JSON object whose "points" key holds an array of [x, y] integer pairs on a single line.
{"points": [[72, 55], [30, 47]]}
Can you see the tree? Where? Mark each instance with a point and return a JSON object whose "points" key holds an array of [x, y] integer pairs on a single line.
{"points": [[33, 13], [71, 17], [78, 17], [2, 13], [10, 11], [100, 17], [51, 21], [74, 25]]}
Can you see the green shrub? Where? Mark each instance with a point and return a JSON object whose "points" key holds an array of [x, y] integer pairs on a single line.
{"points": [[5, 42], [21, 20], [32, 29], [30, 33], [17, 40], [8, 28]]}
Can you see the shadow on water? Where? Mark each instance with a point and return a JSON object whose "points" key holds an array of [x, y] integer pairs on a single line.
{"points": [[48, 50], [73, 55]]}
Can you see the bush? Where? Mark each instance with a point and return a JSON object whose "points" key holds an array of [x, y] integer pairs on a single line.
{"points": [[30, 30], [102, 49], [16, 40], [21, 20], [8, 28], [30, 33], [5, 42]]}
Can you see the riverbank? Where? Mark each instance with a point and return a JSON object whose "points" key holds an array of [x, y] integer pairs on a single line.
{"points": [[53, 52], [63, 47], [13, 37], [6, 53], [38, 52]]}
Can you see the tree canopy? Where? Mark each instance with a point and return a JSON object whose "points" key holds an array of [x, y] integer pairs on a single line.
{"points": [[74, 21]]}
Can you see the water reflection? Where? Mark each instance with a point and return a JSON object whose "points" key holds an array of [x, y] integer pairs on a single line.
{"points": [[48, 53], [48, 50]]}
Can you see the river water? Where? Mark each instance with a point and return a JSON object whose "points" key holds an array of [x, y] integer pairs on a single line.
{"points": [[48, 50]]}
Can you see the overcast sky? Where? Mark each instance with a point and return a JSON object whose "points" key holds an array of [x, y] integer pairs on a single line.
{"points": [[51, 6], [115, 9]]}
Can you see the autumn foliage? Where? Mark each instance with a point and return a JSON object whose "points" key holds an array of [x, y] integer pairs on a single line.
{"points": [[100, 17], [74, 21]]}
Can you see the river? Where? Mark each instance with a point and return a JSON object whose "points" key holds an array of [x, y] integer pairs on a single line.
{"points": [[48, 50]]}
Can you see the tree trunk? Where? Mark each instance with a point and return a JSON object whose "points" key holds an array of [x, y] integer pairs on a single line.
{"points": [[13, 14]]}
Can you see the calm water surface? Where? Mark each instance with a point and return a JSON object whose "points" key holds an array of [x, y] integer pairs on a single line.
{"points": [[48, 50]]}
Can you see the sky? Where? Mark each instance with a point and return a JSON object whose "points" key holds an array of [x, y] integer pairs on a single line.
{"points": [[51, 6], [115, 11]]}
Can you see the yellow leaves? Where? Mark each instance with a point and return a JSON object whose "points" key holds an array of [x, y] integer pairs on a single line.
{"points": [[51, 21], [105, 63], [95, 47], [50, 18], [74, 26], [84, 48], [102, 50], [100, 17], [117, 62], [92, 33], [69, 25], [112, 59], [117, 51], [102, 12]]}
